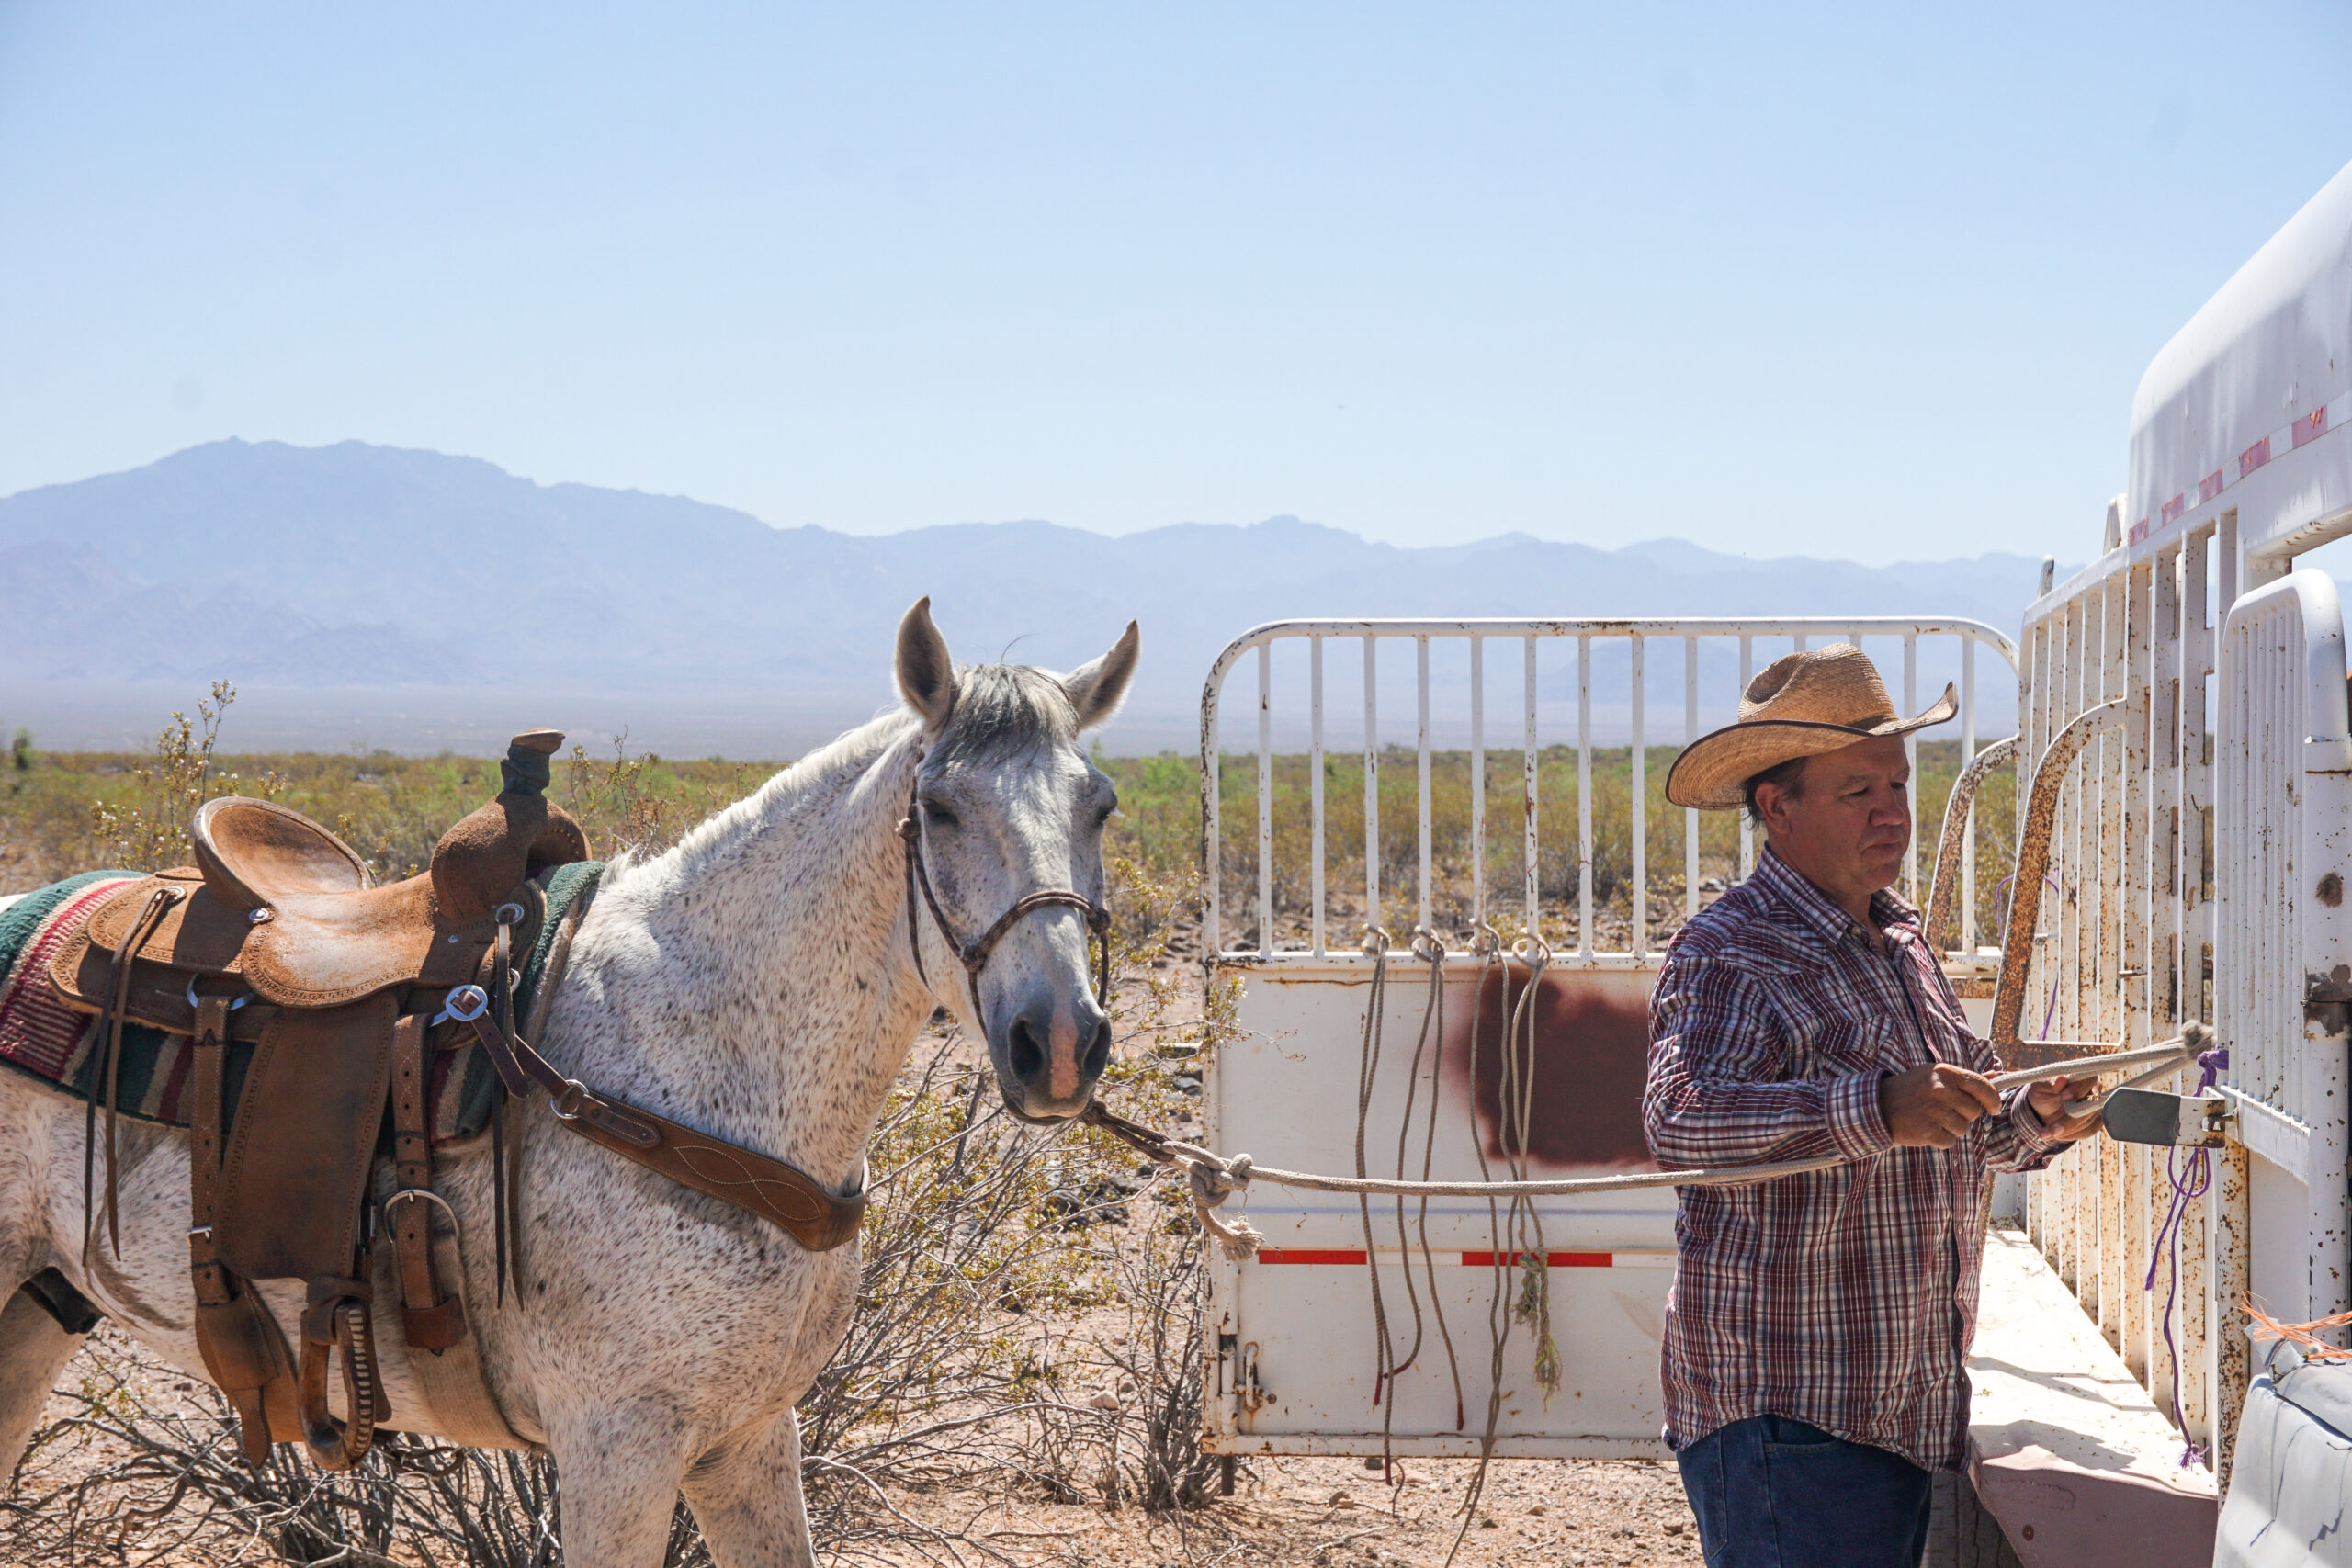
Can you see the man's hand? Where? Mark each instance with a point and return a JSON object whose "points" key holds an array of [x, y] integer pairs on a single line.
{"points": [[1930, 1106], [2049, 1100]]}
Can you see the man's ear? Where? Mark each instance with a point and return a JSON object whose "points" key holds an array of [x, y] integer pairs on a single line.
{"points": [[1096, 689], [926, 674]]}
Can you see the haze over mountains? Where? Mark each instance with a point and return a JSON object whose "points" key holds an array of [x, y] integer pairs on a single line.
{"points": [[363, 594]]}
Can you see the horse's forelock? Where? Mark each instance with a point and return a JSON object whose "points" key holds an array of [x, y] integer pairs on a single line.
{"points": [[1004, 710]]}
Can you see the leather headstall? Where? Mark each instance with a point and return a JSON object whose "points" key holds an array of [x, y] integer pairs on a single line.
{"points": [[974, 954]]}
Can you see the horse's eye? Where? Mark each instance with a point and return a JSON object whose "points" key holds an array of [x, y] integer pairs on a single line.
{"points": [[937, 815]]}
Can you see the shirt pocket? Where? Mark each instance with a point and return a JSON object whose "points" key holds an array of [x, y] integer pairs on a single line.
{"points": [[1841, 1047]]}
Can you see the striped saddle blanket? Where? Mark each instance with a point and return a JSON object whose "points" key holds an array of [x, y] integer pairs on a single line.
{"points": [[42, 1038]]}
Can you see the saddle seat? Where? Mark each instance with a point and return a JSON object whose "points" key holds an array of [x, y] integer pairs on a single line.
{"points": [[283, 904]]}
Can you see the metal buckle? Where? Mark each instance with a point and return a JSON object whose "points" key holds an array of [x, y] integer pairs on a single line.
{"points": [[576, 1094], [509, 914], [476, 1002], [423, 1195]]}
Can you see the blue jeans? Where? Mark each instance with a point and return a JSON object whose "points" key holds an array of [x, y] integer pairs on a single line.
{"points": [[1774, 1492]]}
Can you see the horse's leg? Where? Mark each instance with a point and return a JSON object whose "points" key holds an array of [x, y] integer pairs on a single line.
{"points": [[620, 1466], [746, 1496], [33, 1350]]}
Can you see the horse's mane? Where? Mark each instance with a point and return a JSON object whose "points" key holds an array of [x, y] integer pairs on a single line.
{"points": [[1001, 710]]}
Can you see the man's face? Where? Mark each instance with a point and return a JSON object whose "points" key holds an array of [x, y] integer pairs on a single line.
{"points": [[1848, 828]]}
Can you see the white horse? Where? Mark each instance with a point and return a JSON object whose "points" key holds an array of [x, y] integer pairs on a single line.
{"points": [[757, 982]]}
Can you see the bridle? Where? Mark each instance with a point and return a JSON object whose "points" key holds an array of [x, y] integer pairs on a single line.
{"points": [[974, 954]]}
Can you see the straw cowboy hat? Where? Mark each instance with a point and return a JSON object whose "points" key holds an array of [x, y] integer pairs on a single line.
{"points": [[1802, 705]]}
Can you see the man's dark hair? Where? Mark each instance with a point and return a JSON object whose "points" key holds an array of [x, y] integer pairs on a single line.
{"points": [[1787, 777]]}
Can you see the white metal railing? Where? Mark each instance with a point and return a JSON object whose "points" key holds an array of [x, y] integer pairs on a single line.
{"points": [[1958, 638]]}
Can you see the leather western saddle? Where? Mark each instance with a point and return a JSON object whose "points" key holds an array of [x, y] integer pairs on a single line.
{"points": [[279, 937]]}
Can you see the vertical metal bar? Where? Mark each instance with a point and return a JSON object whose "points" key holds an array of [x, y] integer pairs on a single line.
{"points": [[1534, 908], [1968, 751], [1746, 828], [2117, 1287], [1421, 752], [1265, 799], [1911, 759], [2229, 1231], [2133, 917], [1637, 789], [1212, 824], [1371, 781], [1477, 782], [2195, 776], [1584, 796], [1315, 779], [2169, 983], [1690, 817], [2079, 1253]]}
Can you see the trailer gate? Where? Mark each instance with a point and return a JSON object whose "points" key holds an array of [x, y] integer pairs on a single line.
{"points": [[1293, 1361], [2129, 938]]}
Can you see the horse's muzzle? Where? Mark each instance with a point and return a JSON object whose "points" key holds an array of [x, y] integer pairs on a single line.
{"points": [[1049, 1053]]}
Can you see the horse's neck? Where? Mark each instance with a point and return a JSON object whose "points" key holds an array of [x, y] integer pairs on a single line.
{"points": [[756, 979]]}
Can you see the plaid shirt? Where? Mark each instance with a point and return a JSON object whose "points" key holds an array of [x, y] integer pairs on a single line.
{"points": [[1846, 1297]]}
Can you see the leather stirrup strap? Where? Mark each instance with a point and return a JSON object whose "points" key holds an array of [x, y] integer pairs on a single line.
{"points": [[110, 1079], [434, 1321], [244, 1349]]}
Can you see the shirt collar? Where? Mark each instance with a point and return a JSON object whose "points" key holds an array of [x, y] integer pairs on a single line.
{"points": [[1897, 918]]}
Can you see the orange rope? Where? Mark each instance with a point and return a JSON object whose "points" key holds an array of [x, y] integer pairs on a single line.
{"points": [[2304, 1337]]}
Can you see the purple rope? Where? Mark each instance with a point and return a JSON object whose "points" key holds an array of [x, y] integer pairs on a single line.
{"points": [[2199, 1169]]}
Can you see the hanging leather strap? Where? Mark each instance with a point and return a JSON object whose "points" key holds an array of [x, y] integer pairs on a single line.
{"points": [[244, 1351], [434, 1320], [109, 1084]]}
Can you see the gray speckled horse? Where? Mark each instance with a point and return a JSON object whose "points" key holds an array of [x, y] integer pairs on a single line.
{"points": [[758, 982]]}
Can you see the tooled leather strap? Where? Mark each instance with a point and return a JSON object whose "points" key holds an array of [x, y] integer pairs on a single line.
{"points": [[109, 1025], [758, 1184], [434, 1320]]}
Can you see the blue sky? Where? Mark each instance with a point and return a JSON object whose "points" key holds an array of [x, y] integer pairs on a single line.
{"points": [[1873, 282]]}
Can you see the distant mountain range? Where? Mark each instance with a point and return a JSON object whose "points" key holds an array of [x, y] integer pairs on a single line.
{"points": [[355, 569]]}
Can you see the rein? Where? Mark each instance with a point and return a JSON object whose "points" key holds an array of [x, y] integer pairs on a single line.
{"points": [[974, 954]]}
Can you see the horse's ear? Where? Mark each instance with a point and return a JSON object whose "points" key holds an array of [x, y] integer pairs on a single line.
{"points": [[926, 674], [1096, 690]]}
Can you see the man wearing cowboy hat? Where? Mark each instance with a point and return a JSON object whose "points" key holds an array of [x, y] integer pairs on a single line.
{"points": [[1817, 1325]]}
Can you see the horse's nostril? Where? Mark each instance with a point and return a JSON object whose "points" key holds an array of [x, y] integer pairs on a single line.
{"points": [[1098, 1053], [1026, 1051]]}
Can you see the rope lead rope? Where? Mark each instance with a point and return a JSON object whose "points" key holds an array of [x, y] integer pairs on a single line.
{"points": [[1214, 1178]]}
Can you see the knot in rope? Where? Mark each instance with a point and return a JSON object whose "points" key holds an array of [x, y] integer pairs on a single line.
{"points": [[1212, 1184], [2210, 1064]]}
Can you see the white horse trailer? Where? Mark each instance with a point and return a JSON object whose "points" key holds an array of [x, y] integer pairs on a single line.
{"points": [[2198, 851]]}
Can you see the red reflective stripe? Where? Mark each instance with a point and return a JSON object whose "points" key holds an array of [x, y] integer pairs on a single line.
{"points": [[2253, 456], [1555, 1259], [2209, 487], [1308, 1254], [2310, 425]]}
